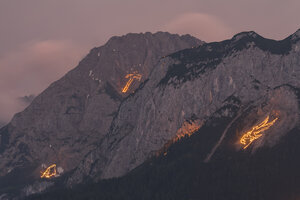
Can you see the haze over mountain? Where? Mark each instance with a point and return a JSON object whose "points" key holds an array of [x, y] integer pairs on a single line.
{"points": [[238, 100], [26, 99]]}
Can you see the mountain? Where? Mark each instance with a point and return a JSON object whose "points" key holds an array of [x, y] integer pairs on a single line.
{"points": [[217, 121], [191, 85], [180, 173], [72, 116], [220, 121]]}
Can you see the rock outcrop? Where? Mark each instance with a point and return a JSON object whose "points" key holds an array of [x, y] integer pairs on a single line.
{"points": [[193, 84]]}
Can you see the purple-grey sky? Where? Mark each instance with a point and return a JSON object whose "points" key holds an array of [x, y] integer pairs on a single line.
{"points": [[42, 39]]}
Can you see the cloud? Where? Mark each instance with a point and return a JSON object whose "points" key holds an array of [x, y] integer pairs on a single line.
{"points": [[203, 26], [31, 68]]}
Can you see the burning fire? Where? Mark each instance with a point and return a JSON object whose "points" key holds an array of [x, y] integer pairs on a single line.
{"points": [[256, 132], [188, 128], [135, 75], [49, 172]]}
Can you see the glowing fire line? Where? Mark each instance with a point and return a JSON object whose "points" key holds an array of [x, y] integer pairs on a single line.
{"points": [[256, 132], [188, 128], [49, 172], [131, 77]]}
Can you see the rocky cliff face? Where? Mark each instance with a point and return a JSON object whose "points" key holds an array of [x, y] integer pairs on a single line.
{"points": [[262, 75], [71, 117]]}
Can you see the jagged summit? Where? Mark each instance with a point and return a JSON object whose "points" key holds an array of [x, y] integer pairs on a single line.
{"points": [[148, 37], [196, 61]]}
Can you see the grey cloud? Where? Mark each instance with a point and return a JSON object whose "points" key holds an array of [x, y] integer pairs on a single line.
{"points": [[31, 68], [200, 25]]}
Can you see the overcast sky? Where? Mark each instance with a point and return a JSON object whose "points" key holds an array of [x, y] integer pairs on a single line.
{"points": [[42, 39]]}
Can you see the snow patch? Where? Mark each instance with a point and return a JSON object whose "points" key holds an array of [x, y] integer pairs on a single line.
{"points": [[230, 80], [296, 48], [216, 85], [9, 170], [60, 170]]}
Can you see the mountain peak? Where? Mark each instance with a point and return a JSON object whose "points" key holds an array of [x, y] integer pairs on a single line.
{"points": [[131, 37], [246, 34]]}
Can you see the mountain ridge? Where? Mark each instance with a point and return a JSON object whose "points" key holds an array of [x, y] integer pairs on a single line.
{"points": [[258, 86]]}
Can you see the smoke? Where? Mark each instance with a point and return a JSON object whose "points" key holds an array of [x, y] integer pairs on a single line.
{"points": [[30, 69], [203, 26]]}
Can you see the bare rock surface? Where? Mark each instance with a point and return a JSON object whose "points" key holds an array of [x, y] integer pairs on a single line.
{"points": [[71, 117], [194, 84]]}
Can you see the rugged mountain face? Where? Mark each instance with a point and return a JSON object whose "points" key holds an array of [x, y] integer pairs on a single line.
{"points": [[181, 172], [236, 102], [71, 117], [257, 73], [237, 99]]}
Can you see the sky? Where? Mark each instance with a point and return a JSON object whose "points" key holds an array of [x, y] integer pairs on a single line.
{"points": [[41, 40]]}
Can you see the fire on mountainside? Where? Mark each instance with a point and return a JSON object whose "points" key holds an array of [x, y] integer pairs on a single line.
{"points": [[131, 77], [256, 132], [49, 172], [187, 129]]}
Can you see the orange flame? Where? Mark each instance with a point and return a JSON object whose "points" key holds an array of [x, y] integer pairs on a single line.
{"points": [[188, 128], [49, 172], [135, 75], [256, 132]]}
